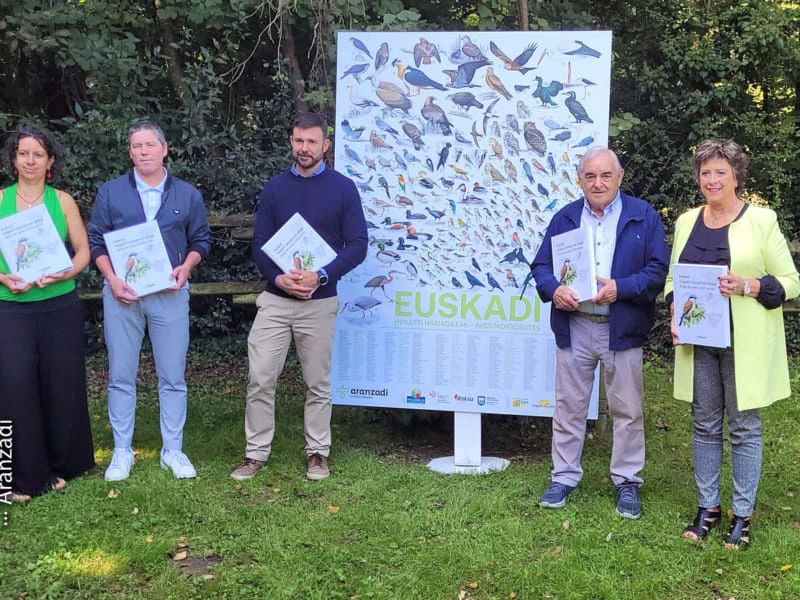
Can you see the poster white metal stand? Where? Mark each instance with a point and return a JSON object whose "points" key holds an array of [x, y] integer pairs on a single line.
{"points": [[467, 447]]}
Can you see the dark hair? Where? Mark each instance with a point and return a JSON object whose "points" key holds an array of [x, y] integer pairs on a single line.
{"points": [[310, 120], [44, 137], [147, 125], [727, 150]]}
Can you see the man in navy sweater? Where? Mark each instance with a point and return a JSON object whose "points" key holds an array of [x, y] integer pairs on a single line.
{"points": [[330, 203]]}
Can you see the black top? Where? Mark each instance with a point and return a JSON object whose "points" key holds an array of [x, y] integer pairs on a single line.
{"points": [[707, 246]]}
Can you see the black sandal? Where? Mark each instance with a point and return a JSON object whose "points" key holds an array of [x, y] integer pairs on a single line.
{"points": [[705, 521], [738, 534]]}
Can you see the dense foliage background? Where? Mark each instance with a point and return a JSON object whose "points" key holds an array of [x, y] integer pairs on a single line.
{"points": [[224, 78]]}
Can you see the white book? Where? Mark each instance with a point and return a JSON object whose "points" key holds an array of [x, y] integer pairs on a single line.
{"points": [[702, 313], [31, 245], [140, 258], [297, 245], [574, 262]]}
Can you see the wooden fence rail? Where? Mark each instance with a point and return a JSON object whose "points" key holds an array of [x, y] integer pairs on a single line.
{"points": [[240, 227]]}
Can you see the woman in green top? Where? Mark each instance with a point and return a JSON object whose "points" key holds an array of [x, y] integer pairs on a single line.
{"points": [[42, 348]]}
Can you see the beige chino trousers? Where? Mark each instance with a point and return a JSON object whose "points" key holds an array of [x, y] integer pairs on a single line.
{"points": [[312, 324]]}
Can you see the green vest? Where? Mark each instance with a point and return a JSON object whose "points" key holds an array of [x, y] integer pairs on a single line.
{"points": [[8, 207]]}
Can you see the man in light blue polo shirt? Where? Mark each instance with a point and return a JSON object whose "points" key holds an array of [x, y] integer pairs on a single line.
{"points": [[148, 193]]}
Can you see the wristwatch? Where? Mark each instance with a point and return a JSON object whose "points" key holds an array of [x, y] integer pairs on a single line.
{"points": [[323, 277], [746, 288]]}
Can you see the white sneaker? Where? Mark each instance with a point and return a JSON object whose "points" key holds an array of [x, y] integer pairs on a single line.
{"points": [[120, 466], [179, 463]]}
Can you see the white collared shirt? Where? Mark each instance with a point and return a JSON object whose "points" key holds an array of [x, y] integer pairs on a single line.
{"points": [[149, 195], [604, 234]]}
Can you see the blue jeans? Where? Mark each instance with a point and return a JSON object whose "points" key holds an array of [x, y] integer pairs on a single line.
{"points": [[714, 396], [166, 316]]}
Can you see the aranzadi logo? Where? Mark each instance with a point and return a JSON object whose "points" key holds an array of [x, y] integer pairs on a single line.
{"points": [[342, 392], [544, 403], [415, 397], [368, 392]]}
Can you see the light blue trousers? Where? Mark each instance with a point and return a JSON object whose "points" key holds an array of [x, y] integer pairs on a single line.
{"points": [[166, 317], [715, 396]]}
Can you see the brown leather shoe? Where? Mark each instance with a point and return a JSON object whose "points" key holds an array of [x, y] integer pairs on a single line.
{"points": [[248, 468], [317, 467]]}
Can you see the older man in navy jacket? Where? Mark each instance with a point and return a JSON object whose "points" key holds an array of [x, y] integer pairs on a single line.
{"points": [[148, 193], [631, 259]]}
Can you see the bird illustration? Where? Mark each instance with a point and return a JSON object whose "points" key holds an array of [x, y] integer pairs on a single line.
{"points": [[457, 284], [464, 74], [492, 282], [360, 101], [352, 172], [365, 304], [384, 126], [22, 248], [523, 112], [510, 170], [400, 161], [381, 56], [443, 154], [494, 174], [392, 96], [387, 257], [511, 143], [527, 168], [495, 84], [377, 141], [355, 71], [518, 64], [512, 123], [546, 93], [688, 307], [475, 134], [562, 136], [385, 185], [465, 100], [414, 134], [511, 278], [473, 281], [425, 181], [534, 138], [576, 108], [401, 181], [359, 45], [551, 162], [470, 49], [488, 114], [415, 216], [350, 133], [130, 265], [583, 50], [436, 214], [352, 154], [411, 269], [380, 281], [415, 78], [497, 149], [528, 280], [552, 125], [435, 115], [424, 51], [587, 141]]}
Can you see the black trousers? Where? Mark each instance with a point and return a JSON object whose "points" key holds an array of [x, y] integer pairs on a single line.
{"points": [[43, 391]]}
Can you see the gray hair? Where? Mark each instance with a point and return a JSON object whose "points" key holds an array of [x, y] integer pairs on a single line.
{"points": [[147, 125], [726, 150], [595, 151]]}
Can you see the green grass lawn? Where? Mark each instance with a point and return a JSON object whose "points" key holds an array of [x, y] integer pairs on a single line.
{"points": [[383, 525]]}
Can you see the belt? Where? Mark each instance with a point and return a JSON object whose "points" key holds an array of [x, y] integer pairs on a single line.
{"points": [[591, 317]]}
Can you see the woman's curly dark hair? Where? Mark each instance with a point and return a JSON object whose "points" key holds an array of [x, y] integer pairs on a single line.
{"points": [[44, 137]]}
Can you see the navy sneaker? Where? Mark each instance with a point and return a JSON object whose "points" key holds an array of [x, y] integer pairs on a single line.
{"points": [[628, 504], [555, 496]]}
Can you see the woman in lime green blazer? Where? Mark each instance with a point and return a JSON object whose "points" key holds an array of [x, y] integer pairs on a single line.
{"points": [[753, 372]]}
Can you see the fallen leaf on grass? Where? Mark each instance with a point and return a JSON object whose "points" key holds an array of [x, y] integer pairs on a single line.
{"points": [[237, 486], [661, 425], [135, 511], [113, 494], [180, 555], [718, 571], [333, 509], [796, 525], [512, 595], [565, 524], [276, 490], [473, 585], [785, 568], [462, 594], [604, 480], [149, 539], [208, 576], [608, 537]]}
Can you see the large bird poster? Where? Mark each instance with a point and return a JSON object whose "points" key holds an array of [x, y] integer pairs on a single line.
{"points": [[463, 146]]}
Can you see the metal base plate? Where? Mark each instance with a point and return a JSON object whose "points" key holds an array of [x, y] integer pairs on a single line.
{"points": [[446, 466]]}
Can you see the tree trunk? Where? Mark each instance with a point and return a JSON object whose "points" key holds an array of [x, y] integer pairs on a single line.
{"points": [[296, 79], [524, 20]]}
